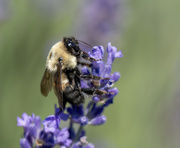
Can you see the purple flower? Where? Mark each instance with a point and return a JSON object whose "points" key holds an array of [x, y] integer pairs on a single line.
{"points": [[93, 113], [100, 68], [95, 99], [47, 137], [77, 114], [62, 137], [31, 124], [61, 114], [115, 77], [26, 120], [83, 120], [51, 123], [103, 69]]}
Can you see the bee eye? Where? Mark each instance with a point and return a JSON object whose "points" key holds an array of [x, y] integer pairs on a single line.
{"points": [[73, 45]]}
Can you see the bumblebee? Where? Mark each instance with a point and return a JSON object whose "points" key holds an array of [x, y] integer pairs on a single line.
{"points": [[63, 75]]}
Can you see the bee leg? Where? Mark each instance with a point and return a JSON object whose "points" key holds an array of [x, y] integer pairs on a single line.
{"points": [[87, 77], [92, 91], [87, 57], [84, 64]]}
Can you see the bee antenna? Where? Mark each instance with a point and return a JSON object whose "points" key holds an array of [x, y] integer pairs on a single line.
{"points": [[85, 44]]}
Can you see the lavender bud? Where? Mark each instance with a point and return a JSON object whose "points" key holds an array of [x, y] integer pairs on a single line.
{"points": [[115, 76], [96, 99], [98, 120], [24, 143]]}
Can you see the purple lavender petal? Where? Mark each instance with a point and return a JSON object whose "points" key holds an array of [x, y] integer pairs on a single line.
{"points": [[85, 71], [109, 49], [107, 71], [64, 116], [51, 123], [78, 110], [21, 122], [95, 99], [97, 52], [119, 54], [114, 51], [76, 113], [61, 135], [97, 68], [24, 143], [57, 109], [112, 54], [67, 142], [24, 121], [112, 92], [98, 120], [89, 145], [113, 48], [61, 114], [108, 101], [70, 111], [95, 111], [83, 120], [32, 129], [71, 131], [115, 76], [36, 120], [84, 84]]}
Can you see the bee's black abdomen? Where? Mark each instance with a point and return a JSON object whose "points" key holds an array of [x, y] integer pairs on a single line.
{"points": [[73, 96]]}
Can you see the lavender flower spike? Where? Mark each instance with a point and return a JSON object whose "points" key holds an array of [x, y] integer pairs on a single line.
{"points": [[51, 135]]}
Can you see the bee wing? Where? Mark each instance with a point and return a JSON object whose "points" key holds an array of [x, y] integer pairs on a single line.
{"points": [[46, 83], [58, 85]]}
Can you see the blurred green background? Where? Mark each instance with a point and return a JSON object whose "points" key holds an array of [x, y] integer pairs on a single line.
{"points": [[146, 112]]}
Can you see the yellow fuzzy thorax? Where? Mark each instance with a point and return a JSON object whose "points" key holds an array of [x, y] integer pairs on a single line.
{"points": [[59, 50]]}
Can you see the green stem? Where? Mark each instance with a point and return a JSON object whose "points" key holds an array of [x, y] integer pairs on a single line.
{"points": [[81, 127], [78, 133]]}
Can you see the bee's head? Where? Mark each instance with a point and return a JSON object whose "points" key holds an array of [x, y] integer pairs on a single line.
{"points": [[72, 45]]}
